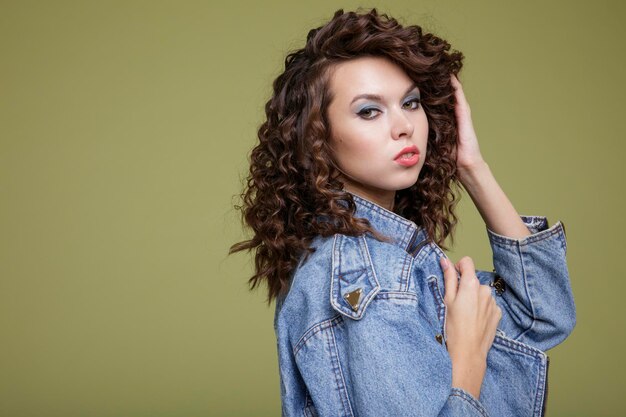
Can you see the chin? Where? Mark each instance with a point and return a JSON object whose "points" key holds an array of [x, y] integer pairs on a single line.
{"points": [[409, 181]]}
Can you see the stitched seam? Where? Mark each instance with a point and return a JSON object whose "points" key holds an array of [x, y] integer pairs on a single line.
{"points": [[396, 218], [384, 213], [411, 240], [470, 399], [312, 331], [370, 265], [331, 296], [530, 299], [563, 240], [517, 346], [433, 248], [369, 258], [404, 277], [536, 237], [419, 256], [357, 315], [505, 343], [406, 295], [434, 288], [539, 396], [544, 403], [342, 388], [445, 334]]}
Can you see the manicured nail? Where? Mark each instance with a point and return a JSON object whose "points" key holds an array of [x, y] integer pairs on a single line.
{"points": [[444, 263]]}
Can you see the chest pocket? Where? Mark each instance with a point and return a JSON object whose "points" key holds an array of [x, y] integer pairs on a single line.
{"points": [[353, 282]]}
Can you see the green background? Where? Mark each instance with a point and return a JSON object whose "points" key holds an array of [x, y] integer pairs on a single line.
{"points": [[125, 130]]}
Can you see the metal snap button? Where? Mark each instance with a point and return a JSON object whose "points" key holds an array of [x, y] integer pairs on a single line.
{"points": [[439, 338], [498, 284]]}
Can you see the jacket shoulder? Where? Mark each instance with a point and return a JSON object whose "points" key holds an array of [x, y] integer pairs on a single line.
{"points": [[343, 275], [363, 267]]}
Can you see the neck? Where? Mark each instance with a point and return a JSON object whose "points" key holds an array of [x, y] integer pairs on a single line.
{"points": [[383, 198]]}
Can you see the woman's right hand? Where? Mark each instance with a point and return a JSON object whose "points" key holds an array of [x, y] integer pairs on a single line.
{"points": [[472, 317]]}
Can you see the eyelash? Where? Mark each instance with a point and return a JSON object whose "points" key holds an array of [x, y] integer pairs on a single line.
{"points": [[363, 111]]}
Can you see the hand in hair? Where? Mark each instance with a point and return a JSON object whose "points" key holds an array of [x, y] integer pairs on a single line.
{"points": [[468, 152]]}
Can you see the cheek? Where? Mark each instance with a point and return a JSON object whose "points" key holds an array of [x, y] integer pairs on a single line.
{"points": [[364, 152], [422, 123], [422, 132], [354, 144]]}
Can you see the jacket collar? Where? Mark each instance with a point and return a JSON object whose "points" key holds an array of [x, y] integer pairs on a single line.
{"points": [[354, 282], [405, 233]]}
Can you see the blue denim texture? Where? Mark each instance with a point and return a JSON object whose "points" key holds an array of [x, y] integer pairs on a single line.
{"points": [[387, 355]]}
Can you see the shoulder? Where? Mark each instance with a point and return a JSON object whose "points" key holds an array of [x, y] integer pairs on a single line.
{"points": [[345, 273], [306, 302], [344, 277]]}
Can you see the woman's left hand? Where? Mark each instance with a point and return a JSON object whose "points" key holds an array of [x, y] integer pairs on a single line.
{"points": [[468, 155]]}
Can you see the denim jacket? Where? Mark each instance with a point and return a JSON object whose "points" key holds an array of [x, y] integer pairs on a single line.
{"points": [[361, 331]]}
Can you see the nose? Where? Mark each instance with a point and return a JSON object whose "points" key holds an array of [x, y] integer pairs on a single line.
{"points": [[401, 125]]}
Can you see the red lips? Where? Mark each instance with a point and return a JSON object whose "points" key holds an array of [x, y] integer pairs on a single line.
{"points": [[408, 149]]}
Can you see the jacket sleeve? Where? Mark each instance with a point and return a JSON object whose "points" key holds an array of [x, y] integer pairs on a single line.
{"points": [[462, 403], [531, 284]]}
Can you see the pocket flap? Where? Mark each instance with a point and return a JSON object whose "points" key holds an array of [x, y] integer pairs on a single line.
{"points": [[353, 281]]}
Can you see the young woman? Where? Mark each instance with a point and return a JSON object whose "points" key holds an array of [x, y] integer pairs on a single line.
{"points": [[351, 197]]}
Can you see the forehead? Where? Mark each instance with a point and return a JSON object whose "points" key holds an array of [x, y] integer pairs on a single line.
{"points": [[367, 74]]}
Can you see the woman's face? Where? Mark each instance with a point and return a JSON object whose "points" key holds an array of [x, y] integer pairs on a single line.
{"points": [[375, 114]]}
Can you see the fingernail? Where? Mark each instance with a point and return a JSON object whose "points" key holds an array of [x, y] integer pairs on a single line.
{"points": [[444, 263]]}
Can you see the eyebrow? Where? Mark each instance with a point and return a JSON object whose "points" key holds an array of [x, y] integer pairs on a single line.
{"points": [[379, 98]]}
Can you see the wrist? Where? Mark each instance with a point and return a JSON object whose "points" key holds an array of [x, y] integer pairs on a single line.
{"points": [[471, 176], [465, 360], [468, 374]]}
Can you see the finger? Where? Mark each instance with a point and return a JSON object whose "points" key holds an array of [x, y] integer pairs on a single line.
{"points": [[486, 299], [455, 81], [468, 272], [495, 316], [460, 94], [494, 309], [450, 280]]}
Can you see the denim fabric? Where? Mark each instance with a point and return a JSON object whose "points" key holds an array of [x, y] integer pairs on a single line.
{"points": [[361, 331]]}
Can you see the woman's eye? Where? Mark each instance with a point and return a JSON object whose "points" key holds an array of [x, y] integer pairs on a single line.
{"points": [[416, 101], [368, 115], [367, 111]]}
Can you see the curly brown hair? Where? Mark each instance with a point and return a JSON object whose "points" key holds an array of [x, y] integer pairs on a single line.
{"points": [[294, 191]]}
